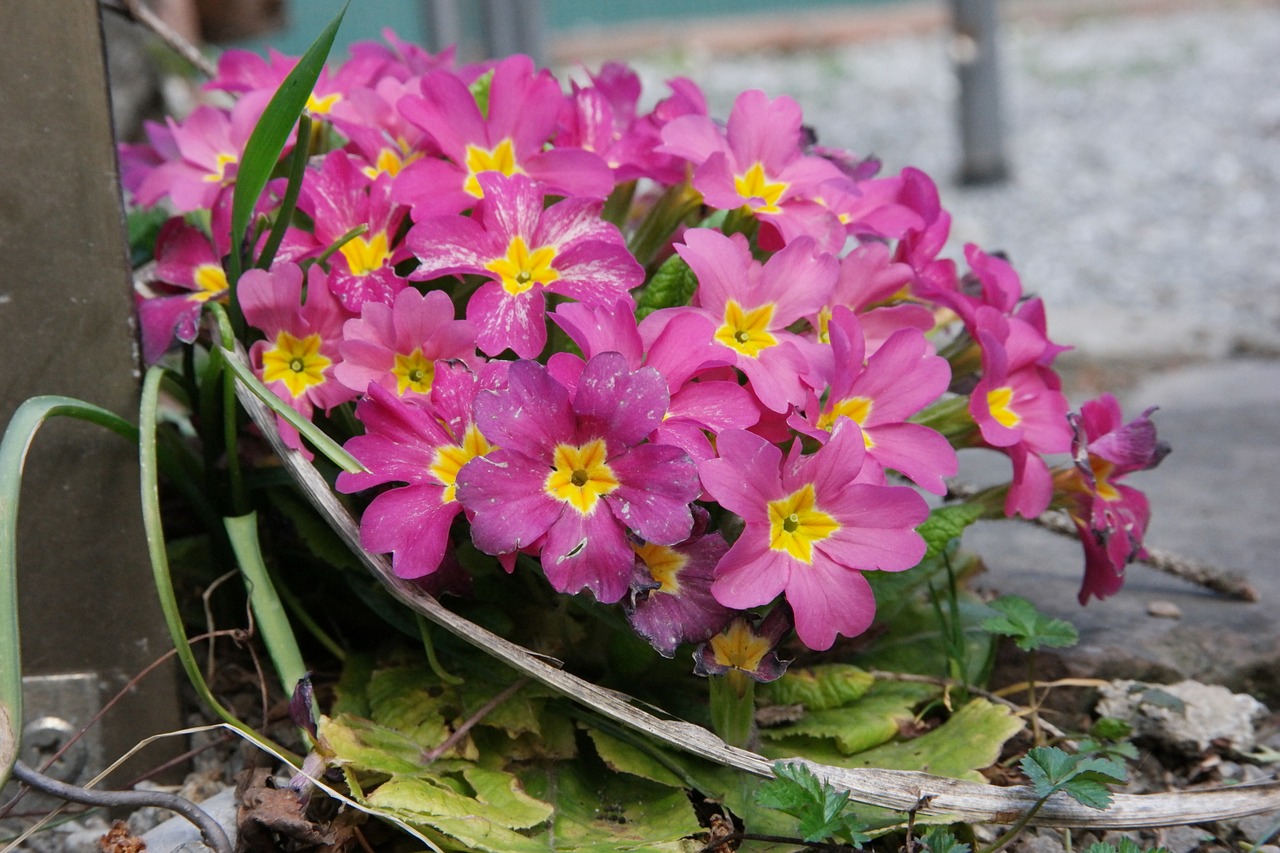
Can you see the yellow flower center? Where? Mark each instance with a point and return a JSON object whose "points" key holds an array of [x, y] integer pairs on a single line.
{"points": [[390, 161], [521, 269], [323, 104], [212, 281], [413, 372], [664, 565], [580, 476], [221, 162], [1101, 477], [998, 400], [764, 194], [449, 459], [296, 362], [500, 159], [747, 331], [796, 523], [740, 647], [366, 255], [856, 409]]}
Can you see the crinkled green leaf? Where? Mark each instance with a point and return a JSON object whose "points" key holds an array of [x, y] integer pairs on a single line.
{"points": [[1029, 628], [488, 825], [353, 685], [365, 745], [874, 719], [672, 285], [622, 757], [610, 812], [415, 703], [969, 741], [818, 687], [944, 525], [819, 808]]}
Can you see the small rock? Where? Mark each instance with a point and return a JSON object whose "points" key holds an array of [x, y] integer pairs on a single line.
{"points": [[1258, 827], [1049, 842], [1162, 609], [1182, 839], [1188, 716]]}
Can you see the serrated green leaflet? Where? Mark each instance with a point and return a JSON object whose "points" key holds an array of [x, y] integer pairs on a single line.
{"points": [[1082, 778], [818, 687], [1029, 628], [945, 524], [268, 139], [672, 285]]}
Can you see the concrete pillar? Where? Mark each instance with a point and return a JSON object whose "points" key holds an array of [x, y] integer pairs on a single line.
{"points": [[85, 596]]}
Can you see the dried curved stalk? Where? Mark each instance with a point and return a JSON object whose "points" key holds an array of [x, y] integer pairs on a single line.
{"points": [[900, 790]]}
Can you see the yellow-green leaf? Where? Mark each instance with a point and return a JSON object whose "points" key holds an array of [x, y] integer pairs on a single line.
{"points": [[872, 720], [623, 757], [818, 687]]}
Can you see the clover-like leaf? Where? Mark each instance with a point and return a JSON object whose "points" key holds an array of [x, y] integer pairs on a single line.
{"points": [[1083, 778], [1029, 628]]}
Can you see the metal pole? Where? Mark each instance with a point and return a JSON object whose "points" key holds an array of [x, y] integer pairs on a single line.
{"points": [[976, 57]]}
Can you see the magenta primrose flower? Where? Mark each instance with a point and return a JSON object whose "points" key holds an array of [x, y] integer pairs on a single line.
{"points": [[421, 445], [671, 601], [297, 358], [1111, 517], [188, 274], [527, 251], [898, 380], [757, 162], [510, 137], [397, 346], [752, 304], [573, 473], [813, 525]]}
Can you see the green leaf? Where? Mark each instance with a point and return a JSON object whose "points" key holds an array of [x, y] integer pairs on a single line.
{"points": [[940, 839], [818, 687], [1083, 778], [359, 743], [610, 811], [622, 757], [268, 139], [872, 720], [672, 285], [487, 821], [944, 525], [969, 741], [480, 91], [818, 806], [1029, 628]]}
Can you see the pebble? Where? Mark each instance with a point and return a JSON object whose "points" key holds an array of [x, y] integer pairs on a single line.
{"points": [[1164, 610]]}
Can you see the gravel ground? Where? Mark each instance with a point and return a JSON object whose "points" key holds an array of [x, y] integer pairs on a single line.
{"points": [[1144, 202]]}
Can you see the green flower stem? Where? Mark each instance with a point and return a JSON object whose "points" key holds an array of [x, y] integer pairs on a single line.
{"points": [[24, 424], [163, 579], [617, 207], [268, 612], [950, 416], [669, 211], [297, 168], [298, 612], [424, 630], [733, 706]]}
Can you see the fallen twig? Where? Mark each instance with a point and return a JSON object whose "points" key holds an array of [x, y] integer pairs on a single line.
{"points": [[137, 11]]}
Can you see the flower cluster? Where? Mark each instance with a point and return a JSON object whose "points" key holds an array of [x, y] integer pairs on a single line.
{"points": [[705, 370]]}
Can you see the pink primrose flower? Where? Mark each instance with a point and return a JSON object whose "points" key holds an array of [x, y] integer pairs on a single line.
{"points": [[757, 162], [417, 444], [245, 72], [746, 646], [813, 525], [898, 380], [1019, 407], [209, 144], [1110, 516], [752, 304], [671, 601], [677, 343], [339, 197], [524, 109], [188, 274], [573, 472], [298, 356], [376, 132], [397, 346], [527, 251]]}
